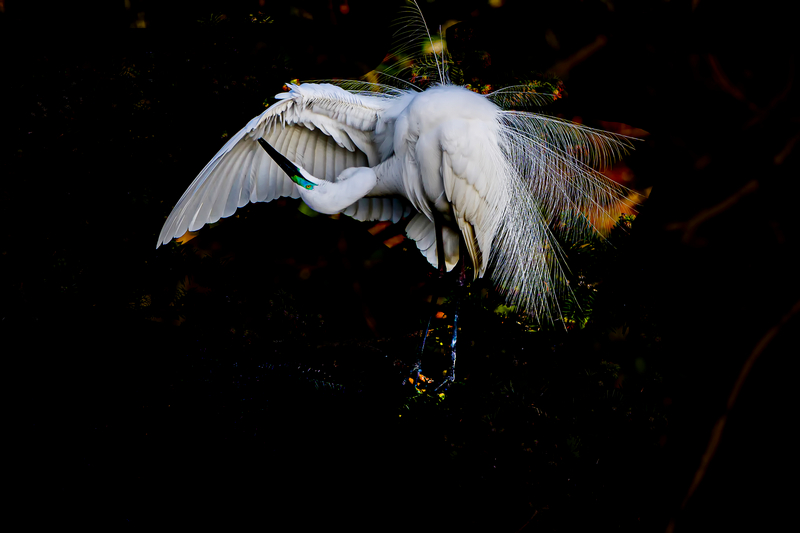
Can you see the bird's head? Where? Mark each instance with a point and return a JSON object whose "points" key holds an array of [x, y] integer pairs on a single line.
{"points": [[297, 174], [323, 196]]}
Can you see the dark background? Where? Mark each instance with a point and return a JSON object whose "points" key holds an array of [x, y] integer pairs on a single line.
{"points": [[251, 375]]}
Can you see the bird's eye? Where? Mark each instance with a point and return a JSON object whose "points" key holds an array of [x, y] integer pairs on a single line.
{"points": [[308, 187]]}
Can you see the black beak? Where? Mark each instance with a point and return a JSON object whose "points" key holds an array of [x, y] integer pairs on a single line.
{"points": [[287, 166]]}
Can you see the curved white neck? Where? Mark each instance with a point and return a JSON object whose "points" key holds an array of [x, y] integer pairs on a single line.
{"points": [[333, 197], [325, 196]]}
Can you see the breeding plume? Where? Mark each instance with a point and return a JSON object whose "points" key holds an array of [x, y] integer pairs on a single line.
{"points": [[474, 176]]}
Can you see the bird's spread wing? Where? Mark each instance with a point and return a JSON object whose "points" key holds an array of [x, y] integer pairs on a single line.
{"points": [[323, 128]]}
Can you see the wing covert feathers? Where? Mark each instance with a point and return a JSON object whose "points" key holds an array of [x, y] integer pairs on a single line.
{"points": [[323, 128], [376, 208]]}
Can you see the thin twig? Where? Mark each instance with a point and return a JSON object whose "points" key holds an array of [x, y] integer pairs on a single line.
{"points": [[528, 522], [690, 227], [716, 433]]}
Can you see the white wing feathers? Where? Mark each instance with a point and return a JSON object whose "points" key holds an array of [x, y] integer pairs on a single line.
{"points": [[471, 163], [375, 208], [423, 231], [323, 128]]}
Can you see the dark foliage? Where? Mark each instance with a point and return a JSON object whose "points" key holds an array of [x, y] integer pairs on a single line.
{"points": [[254, 374]]}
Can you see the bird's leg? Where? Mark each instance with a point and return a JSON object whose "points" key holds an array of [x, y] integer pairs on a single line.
{"points": [[451, 375], [416, 373]]}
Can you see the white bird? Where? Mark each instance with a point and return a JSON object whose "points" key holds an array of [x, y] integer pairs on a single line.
{"points": [[497, 181]]}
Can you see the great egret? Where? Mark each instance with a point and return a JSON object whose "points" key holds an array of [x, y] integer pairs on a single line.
{"points": [[472, 171]]}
